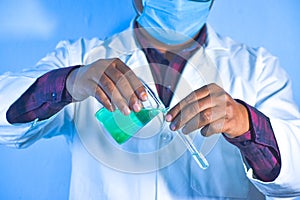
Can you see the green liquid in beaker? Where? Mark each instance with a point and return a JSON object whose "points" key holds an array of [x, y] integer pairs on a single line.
{"points": [[122, 127]]}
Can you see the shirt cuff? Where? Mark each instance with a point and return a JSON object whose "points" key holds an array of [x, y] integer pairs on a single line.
{"points": [[57, 91], [45, 97], [258, 146], [260, 132]]}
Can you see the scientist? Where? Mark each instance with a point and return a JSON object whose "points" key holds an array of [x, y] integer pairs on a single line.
{"points": [[212, 85]]}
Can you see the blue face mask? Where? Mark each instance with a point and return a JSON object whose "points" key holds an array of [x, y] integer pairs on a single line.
{"points": [[174, 21]]}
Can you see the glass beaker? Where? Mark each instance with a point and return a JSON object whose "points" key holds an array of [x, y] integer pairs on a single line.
{"points": [[122, 127]]}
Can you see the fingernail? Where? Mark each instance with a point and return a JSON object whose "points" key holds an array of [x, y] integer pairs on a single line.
{"points": [[126, 111], [136, 107], [144, 96], [184, 130], [111, 107], [172, 127], [168, 118]]}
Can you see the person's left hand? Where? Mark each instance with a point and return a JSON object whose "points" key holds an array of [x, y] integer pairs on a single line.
{"points": [[211, 109]]}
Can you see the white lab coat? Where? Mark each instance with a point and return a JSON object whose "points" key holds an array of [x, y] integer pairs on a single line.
{"points": [[157, 167]]}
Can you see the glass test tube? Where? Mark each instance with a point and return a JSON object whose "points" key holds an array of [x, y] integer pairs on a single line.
{"points": [[187, 140]]}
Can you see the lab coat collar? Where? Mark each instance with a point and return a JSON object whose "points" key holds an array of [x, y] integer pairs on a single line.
{"points": [[126, 43], [213, 40]]}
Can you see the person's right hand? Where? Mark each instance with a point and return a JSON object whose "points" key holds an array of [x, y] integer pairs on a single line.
{"points": [[111, 82]]}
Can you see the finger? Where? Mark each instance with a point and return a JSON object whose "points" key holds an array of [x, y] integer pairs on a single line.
{"points": [[194, 96], [213, 128], [93, 89], [113, 93], [191, 110], [124, 87], [135, 82], [133, 102], [103, 99], [205, 118]]}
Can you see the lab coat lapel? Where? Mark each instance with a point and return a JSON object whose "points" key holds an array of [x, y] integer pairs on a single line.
{"points": [[125, 47], [117, 46], [139, 64], [200, 70]]}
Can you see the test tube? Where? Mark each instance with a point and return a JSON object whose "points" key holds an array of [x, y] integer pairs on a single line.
{"points": [[198, 156], [187, 140]]}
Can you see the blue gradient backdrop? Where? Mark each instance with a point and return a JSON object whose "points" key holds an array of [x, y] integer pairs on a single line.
{"points": [[31, 28]]}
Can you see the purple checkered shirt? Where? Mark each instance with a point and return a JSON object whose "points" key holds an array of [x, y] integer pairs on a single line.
{"points": [[48, 95]]}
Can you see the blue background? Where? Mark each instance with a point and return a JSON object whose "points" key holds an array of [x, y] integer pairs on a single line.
{"points": [[31, 28]]}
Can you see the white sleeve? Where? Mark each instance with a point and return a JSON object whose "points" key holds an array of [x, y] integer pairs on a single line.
{"points": [[13, 85], [275, 100]]}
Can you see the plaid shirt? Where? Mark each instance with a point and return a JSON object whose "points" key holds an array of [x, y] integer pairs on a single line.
{"points": [[45, 97], [166, 72], [48, 95]]}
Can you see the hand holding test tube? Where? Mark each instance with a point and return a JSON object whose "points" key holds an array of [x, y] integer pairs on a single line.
{"points": [[187, 140], [123, 127]]}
